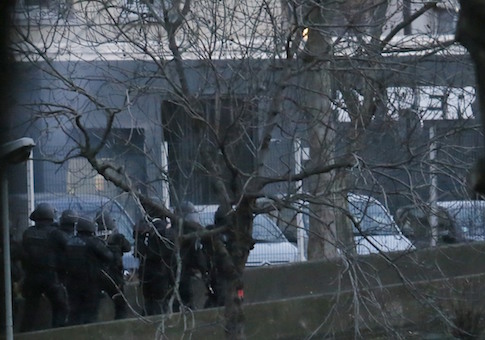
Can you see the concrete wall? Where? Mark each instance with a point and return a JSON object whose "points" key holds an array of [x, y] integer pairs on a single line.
{"points": [[395, 308], [401, 293], [310, 278]]}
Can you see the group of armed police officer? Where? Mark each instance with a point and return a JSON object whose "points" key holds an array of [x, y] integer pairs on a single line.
{"points": [[72, 262], [155, 244]]}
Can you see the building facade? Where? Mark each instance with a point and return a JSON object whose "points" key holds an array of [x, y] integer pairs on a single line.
{"points": [[133, 65]]}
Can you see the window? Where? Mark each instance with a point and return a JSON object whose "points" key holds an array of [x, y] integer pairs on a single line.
{"points": [[145, 9], [37, 3], [139, 6], [371, 216], [264, 229], [443, 17], [82, 179], [137, 9], [444, 20], [231, 118], [440, 19], [43, 11]]}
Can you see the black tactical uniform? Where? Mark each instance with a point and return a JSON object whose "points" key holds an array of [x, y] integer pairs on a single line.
{"points": [[43, 245], [16, 255], [112, 281], [17, 273], [86, 256], [155, 253], [193, 258], [68, 221], [67, 224], [216, 283]]}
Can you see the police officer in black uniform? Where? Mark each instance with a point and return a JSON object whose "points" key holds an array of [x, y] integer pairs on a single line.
{"points": [[67, 225], [68, 221], [193, 259], [17, 274], [112, 280], [86, 255], [155, 252], [216, 282], [43, 245]]}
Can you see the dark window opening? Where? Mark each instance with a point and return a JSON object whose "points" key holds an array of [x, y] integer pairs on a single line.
{"points": [[193, 136]]}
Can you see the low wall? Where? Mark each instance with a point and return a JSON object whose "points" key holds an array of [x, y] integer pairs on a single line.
{"points": [[316, 277], [416, 291], [393, 308]]}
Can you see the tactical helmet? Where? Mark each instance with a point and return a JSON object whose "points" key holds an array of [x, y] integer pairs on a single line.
{"points": [[104, 220], [220, 217], [68, 217], [160, 224], [43, 211], [86, 225], [188, 211], [141, 226]]}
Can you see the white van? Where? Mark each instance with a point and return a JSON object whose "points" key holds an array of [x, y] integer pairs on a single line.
{"points": [[271, 246], [378, 230]]}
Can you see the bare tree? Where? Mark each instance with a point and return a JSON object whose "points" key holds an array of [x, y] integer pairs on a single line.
{"points": [[227, 86]]}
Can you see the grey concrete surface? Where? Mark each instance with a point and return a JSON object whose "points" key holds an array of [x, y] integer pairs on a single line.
{"points": [[422, 290]]}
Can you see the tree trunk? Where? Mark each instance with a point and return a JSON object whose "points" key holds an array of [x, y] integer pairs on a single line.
{"points": [[239, 247], [469, 34], [316, 103]]}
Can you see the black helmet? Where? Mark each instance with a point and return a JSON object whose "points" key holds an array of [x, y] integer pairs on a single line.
{"points": [[43, 211], [221, 216], [104, 220], [141, 226], [86, 225], [68, 217], [160, 224]]}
